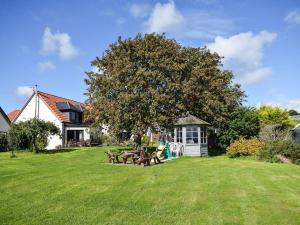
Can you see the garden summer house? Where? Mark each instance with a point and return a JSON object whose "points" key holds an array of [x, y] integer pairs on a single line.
{"points": [[191, 132]]}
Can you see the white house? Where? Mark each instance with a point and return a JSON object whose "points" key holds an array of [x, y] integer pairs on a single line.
{"points": [[4, 121], [191, 133], [65, 113]]}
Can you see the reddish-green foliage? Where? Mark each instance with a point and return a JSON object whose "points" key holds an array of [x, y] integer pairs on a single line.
{"points": [[244, 147]]}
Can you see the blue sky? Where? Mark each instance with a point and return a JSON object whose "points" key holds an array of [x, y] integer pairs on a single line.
{"points": [[51, 43]]}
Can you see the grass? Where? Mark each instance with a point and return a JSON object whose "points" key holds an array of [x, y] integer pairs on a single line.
{"points": [[78, 187]]}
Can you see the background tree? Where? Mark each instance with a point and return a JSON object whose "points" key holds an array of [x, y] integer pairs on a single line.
{"points": [[243, 122], [209, 92], [269, 115], [150, 81], [293, 112], [35, 132], [275, 124]]}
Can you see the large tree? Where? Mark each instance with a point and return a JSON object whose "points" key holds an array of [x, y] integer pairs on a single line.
{"points": [[138, 85], [209, 92], [150, 81]]}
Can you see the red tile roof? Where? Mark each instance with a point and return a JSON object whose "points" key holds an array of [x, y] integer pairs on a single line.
{"points": [[13, 115], [51, 101]]}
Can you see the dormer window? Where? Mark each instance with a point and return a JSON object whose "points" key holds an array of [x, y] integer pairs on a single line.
{"points": [[73, 116], [73, 112]]}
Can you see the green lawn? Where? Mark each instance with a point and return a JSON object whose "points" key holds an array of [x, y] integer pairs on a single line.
{"points": [[80, 188]]}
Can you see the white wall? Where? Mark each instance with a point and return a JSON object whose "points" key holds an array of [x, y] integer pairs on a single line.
{"points": [[4, 125], [44, 113]]}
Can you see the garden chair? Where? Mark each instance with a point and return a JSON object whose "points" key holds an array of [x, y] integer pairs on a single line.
{"points": [[144, 158], [159, 150], [177, 150]]}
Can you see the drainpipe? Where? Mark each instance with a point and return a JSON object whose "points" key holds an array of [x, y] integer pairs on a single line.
{"points": [[36, 103]]}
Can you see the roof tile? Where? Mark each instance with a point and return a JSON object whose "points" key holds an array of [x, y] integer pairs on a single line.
{"points": [[51, 101], [12, 115]]}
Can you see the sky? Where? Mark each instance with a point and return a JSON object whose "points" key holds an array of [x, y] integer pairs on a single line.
{"points": [[51, 43]]}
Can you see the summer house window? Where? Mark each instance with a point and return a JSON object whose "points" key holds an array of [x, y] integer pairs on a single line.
{"points": [[179, 134], [192, 135], [203, 135]]}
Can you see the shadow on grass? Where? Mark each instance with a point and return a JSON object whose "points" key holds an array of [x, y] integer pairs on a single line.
{"points": [[63, 150], [216, 151]]}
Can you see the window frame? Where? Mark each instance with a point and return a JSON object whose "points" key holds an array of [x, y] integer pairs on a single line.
{"points": [[203, 135], [179, 137], [194, 135]]}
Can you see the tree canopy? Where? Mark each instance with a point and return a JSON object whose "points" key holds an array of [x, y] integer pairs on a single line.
{"points": [[293, 112], [150, 81], [243, 122], [270, 115]]}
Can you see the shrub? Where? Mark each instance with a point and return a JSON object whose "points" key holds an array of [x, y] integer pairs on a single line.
{"points": [[3, 142], [150, 149], [297, 162], [145, 140], [244, 147], [270, 133], [34, 133], [127, 143], [286, 148], [105, 139]]}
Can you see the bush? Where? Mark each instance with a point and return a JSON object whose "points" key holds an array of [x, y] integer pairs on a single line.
{"points": [[105, 139], [145, 140], [32, 133], [270, 133], [150, 149], [3, 142], [127, 143], [244, 147], [286, 148]]}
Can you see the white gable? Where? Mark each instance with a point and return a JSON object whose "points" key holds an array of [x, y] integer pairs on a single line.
{"points": [[43, 113]]}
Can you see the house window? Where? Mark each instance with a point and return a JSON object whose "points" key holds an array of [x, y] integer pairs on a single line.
{"points": [[72, 116], [192, 135], [74, 135], [203, 135], [179, 134]]}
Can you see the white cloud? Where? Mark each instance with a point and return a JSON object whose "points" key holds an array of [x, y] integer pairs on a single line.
{"points": [[189, 23], [255, 75], [139, 10], [293, 17], [205, 26], [164, 18], [58, 43], [243, 53], [24, 91], [284, 103], [47, 65], [292, 104]]}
